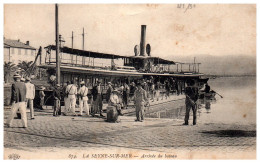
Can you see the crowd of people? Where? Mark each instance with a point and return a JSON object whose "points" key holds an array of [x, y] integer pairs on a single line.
{"points": [[119, 96]]}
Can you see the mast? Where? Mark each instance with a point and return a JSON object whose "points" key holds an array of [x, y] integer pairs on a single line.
{"points": [[57, 44], [83, 39], [72, 40]]}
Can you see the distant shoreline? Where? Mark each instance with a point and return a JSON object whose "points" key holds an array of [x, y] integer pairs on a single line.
{"points": [[218, 76]]}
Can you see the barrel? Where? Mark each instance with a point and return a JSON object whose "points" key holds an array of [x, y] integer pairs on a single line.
{"points": [[112, 114]]}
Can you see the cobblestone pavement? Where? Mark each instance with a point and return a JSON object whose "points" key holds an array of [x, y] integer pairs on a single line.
{"points": [[87, 134]]}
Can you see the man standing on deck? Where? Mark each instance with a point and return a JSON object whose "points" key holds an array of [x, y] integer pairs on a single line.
{"points": [[140, 98], [30, 94], [83, 99], [191, 92], [18, 101], [71, 91]]}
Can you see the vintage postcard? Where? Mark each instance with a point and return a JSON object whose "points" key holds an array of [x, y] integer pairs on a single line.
{"points": [[129, 81]]}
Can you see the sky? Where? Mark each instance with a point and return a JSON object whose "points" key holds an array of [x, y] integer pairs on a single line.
{"points": [[218, 30]]}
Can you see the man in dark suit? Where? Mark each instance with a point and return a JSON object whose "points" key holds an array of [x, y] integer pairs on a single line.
{"points": [[18, 100], [97, 99], [192, 96], [57, 98], [109, 91]]}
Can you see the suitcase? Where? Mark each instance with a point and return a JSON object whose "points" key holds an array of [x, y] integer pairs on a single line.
{"points": [[112, 114]]}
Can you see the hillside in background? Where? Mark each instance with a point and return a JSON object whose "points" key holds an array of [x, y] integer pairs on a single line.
{"points": [[222, 65]]}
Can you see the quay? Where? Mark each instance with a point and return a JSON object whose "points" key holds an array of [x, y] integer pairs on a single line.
{"points": [[69, 137]]}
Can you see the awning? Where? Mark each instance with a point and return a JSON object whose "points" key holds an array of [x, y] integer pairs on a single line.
{"points": [[85, 53]]}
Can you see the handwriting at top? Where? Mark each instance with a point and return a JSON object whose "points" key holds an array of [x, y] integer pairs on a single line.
{"points": [[186, 6]]}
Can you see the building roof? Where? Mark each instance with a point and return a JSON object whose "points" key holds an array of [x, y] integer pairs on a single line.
{"points": [[105, 55], [16, 44]]}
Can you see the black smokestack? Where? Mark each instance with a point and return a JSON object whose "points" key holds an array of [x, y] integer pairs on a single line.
{"points": [[142, 43]]}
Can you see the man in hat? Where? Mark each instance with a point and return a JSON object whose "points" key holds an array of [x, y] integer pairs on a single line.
{"points": [[146, 88], [18, 100], [65, 96], [115, 101], [132, 90], [30, 94], [22, 79], [97, 99], [57, 98], [192, 96], [140, 98], [126, 91], [109, 91], [152, 91], [71, 91], [42, 95], [83, 98], [157, 90]]}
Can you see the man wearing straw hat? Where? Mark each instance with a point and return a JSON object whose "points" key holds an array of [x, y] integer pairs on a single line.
{"points": [[18, 100], [140, 99], [115, 101], [30, 94], [114, 107], [83, 99], [22, 79]]}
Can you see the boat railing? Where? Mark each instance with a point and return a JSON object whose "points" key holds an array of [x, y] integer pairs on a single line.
{"points": [[179, 68], [77, 63]]}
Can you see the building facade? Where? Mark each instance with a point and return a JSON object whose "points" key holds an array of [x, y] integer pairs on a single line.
{"points": [[16, 51]]}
